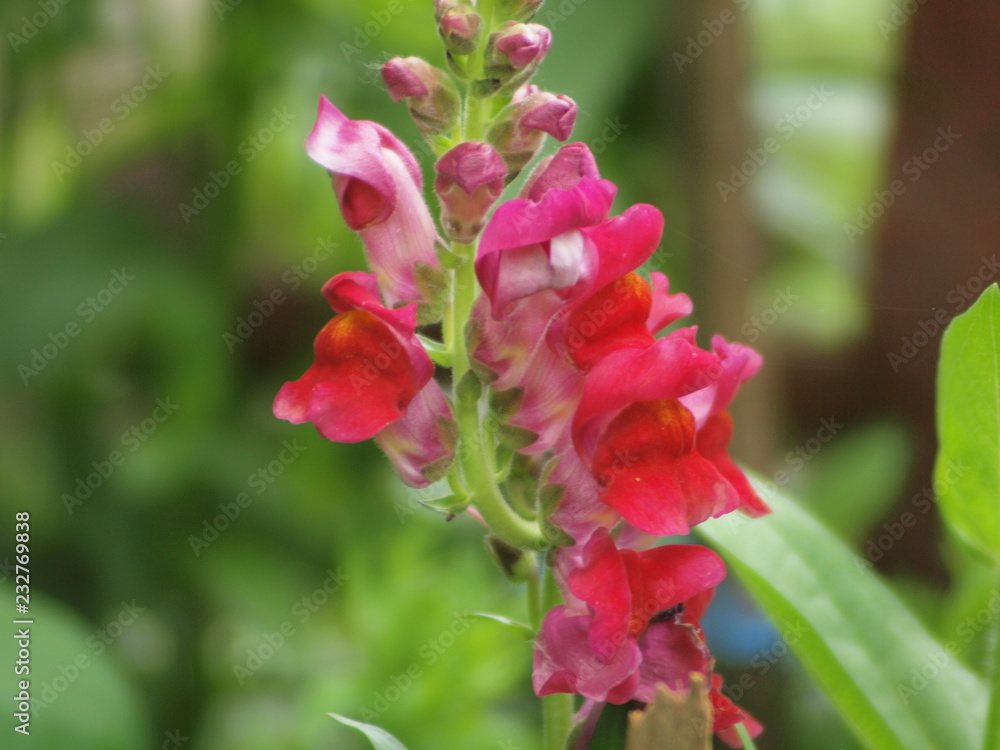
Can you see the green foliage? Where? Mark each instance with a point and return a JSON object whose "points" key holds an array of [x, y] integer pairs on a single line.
{"points": [[967, 472], [892, 681], [380, 739]]}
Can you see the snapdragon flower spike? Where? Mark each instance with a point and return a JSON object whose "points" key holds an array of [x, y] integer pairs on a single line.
{"points": [[429, 93], [372, 378], [378, 183], [519, 130], [470, 179], [609, 641]]}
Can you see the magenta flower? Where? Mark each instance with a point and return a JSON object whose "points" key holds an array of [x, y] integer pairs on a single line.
{"points": [[616, 636], [372, 378], [378, 185]]}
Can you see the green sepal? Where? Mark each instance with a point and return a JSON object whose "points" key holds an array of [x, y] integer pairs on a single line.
{"points": [[431, 283], [469, 389], [504, 404], [549, 497], [514, 437], [439, 353]]}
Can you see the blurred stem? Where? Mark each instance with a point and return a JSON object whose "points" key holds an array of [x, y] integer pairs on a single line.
{"points": [[991, 740], [557, 720], [745, 738]]}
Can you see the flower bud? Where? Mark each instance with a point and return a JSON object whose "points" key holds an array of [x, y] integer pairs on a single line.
{"points": [[572, 163], [520, 128], [470, 178], [460, 32], [514, 52], [429, 93]]}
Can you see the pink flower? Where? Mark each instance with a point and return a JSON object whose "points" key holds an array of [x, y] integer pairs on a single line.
{"points": [[378, 185], [532, 246], [618, 636], [372, 378]]}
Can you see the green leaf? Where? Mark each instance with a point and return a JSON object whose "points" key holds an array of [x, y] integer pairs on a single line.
{"points": [[967, 472], [894, 683], [380, 739], [519, 629]]}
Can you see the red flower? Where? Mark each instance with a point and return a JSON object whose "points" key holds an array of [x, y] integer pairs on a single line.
{"points": [[369, 370]]}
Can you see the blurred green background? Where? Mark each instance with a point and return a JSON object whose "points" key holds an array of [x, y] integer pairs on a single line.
{"points": [[205, 576]]}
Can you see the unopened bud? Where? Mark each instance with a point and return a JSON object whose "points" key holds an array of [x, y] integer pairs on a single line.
{"points": [[470, 179], [563, 171], [429, 93], [520, 128], [513, 54], [460, 32]]}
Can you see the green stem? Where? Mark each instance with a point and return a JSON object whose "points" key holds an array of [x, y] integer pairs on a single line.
{"points": [[486, 496], [477, 467], [557, 720], [745, 738], [991, 739]]}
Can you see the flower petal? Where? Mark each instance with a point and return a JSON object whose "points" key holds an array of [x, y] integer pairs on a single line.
{"points": [[649, 471], [565, 663], [377, 182], [421, 445]]}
